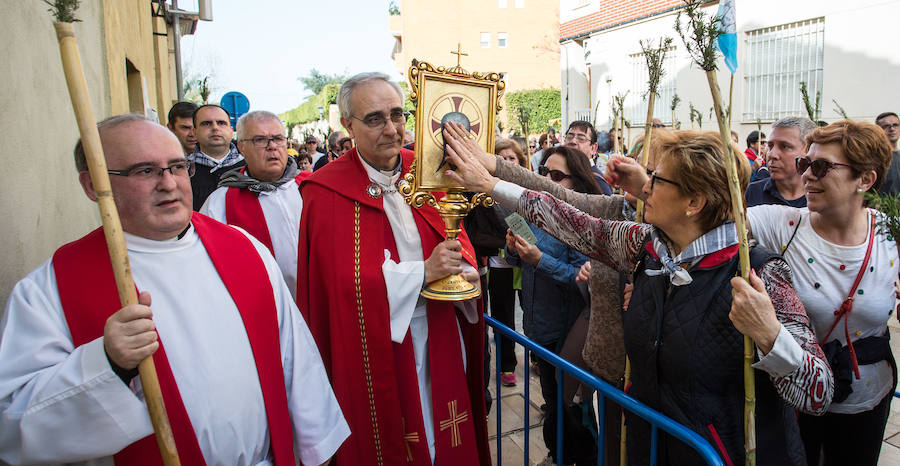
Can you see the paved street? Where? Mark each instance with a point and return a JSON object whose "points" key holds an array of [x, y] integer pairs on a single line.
{"points": [[513, 401]]}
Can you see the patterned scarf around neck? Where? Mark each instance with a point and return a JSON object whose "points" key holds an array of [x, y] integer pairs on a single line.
{"points": [[238, 178], [718, 238]]}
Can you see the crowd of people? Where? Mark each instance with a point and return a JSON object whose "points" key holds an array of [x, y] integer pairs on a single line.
{"points": [[298, 333]]}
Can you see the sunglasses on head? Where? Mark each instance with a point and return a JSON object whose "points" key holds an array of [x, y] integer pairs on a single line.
{"points": [[818, 167], [555, 175]]}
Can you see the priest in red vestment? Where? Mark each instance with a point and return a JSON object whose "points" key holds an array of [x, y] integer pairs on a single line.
{"points": [[407, 371]]}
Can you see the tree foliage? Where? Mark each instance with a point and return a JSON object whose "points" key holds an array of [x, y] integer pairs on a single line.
{"points": [[309, 110], [531, 110], [197, 89], [316, 81], [408, 106], [393, 8]]}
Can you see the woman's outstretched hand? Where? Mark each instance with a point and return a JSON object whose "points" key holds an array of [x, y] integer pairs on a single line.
{"points": [[470, 161], [627, 174]]}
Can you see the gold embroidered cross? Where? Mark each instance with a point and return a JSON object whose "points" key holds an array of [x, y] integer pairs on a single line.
{"points": [[412, 437], [459, 53], [453, 423]]}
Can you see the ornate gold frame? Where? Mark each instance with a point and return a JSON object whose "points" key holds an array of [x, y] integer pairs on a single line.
{"points": [[453, 207], [422, 76]]}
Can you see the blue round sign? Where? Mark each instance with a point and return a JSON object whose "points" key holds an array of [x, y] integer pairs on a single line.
{"points": [[236, 104]]}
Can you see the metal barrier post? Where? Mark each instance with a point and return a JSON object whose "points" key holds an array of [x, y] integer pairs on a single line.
{"points": [[559, 416], [527, 401], [497, 396], [601, 428], [657, 420]]}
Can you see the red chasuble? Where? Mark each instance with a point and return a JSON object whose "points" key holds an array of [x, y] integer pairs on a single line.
{"points": [[87, 291], [242, 209], [343, 234]]}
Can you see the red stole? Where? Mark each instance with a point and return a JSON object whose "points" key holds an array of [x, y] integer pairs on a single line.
{"points": [[347, 310], [88, 295], [242, 209]]}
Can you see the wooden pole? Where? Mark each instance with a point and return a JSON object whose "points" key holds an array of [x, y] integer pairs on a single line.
{"points": [[740, 222], [730, 101], [112, 227], [616, 149]]}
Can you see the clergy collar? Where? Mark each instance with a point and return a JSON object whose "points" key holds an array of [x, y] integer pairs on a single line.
{"points": [[387, 173], [183, 240]]}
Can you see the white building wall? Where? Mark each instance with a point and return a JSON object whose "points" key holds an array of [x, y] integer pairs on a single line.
{"points": [[42, 203], [861, 61]]}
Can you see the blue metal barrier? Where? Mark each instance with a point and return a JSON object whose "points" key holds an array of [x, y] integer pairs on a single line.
{"points": [[604, 390]]}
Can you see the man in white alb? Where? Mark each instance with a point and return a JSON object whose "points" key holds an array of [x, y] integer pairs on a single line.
{"points": [[239, 371], [263, 198]]}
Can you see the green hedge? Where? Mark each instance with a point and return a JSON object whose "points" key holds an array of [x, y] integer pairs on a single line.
{"points": [[529, 110], [309, 110]]}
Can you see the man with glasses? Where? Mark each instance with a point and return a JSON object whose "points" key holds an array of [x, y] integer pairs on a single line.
{"points": [[397, 361], [239, 371], [581, 135], [215, 153], [784, 185], [889, 122], [263, 198]]}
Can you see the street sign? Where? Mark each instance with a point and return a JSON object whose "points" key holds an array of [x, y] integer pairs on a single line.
{"points": [[236, 104]]}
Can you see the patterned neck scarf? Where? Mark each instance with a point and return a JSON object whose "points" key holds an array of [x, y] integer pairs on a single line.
{"points": [[718, 238], [231, 158], [238, 178]]}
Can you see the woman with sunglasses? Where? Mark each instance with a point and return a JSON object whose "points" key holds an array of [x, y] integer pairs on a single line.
{"points": [[685, 323], [501, 276], [837, 252], [551, 302]]}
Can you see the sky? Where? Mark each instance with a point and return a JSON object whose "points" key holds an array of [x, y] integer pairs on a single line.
{"points": [[261, 48]]}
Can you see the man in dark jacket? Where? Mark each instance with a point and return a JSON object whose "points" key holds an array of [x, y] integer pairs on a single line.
{"points": [[215, 153]]}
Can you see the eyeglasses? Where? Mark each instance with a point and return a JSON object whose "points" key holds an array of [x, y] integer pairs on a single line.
{"points": [[262, 141], [658, 125], [555, 175], [819, 167], [149, 172], [378, 121], [577, 137], [654, 177], [888, 126]]}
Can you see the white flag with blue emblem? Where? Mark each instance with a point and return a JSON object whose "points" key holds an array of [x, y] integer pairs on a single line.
{"points": [[728, 40]]}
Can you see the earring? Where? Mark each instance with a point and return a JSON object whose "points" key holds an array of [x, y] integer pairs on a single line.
{"points": [[688, 213], [859, 191]]}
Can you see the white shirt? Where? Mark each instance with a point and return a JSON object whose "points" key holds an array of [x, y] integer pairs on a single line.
{"points": [[64, 404], [814, 260], [406, 278], [281, 209]]}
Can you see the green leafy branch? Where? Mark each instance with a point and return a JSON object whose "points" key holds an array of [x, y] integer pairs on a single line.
{"points": [[813, 112], [889, 204], [840, 110], [656, 57], [63, 10], [699, 34]]}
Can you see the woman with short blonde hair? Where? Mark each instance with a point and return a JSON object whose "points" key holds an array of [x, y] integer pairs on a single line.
{"points": [[687, 317]]}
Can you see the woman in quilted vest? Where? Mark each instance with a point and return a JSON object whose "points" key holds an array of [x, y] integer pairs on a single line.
{"points": [[687, 316], [836, 250]]}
